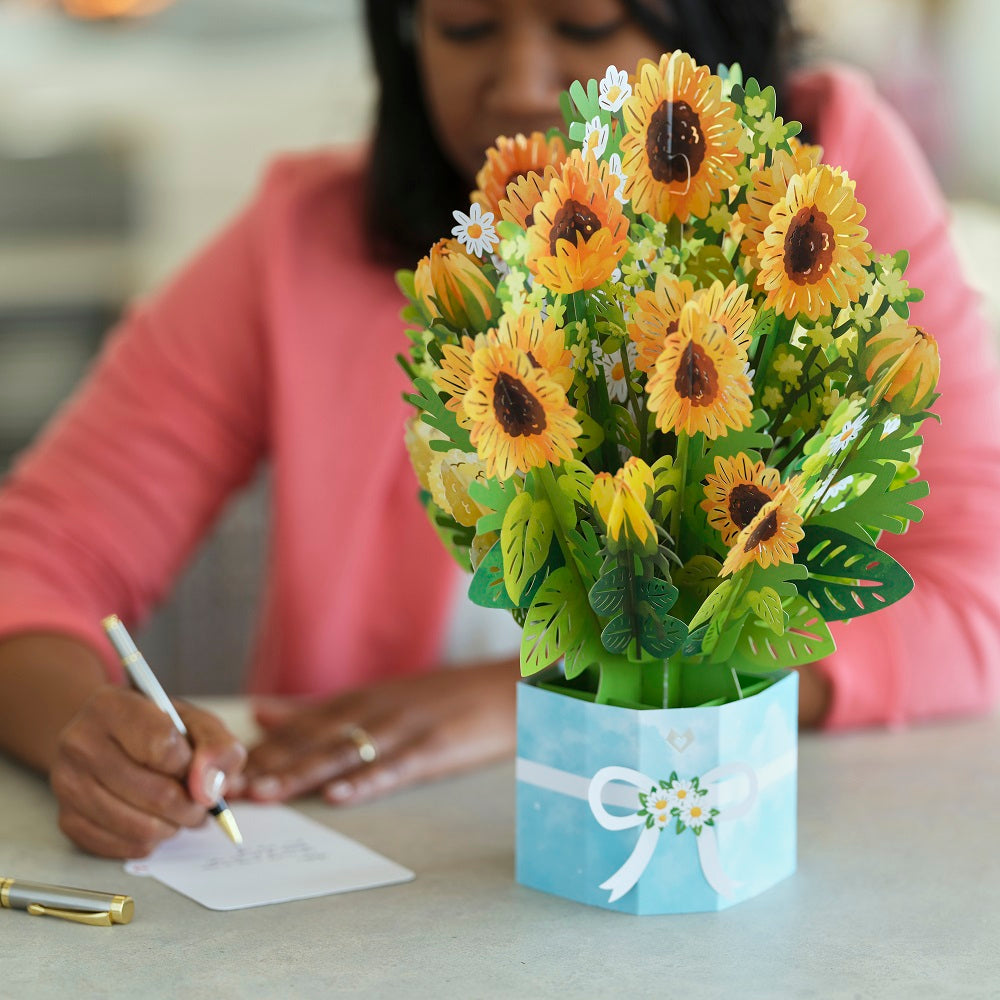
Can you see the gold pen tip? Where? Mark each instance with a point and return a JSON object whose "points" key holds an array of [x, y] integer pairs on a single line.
{"points": [[110, 621], [228, 823]]}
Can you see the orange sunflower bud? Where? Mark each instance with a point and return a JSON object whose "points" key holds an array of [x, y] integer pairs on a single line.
{"points": [[622, 501], [904, 364], [451, 286]]}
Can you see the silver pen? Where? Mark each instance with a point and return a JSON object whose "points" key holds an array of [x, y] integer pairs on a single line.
{"points": [[144, 680], [82, 906]]}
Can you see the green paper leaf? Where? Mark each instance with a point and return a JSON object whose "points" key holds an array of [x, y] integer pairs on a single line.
{"points": [[591, 434], [766, 606], [847, 577], [881, 507], [524, 541], [707, 265], [587, 652], [487, 588], [494, 495], [439, 417], [607, 596], [585, 548], [700, 575], [806, 639], [575, 481], [556, 621], [713, 603], [655, 597]]}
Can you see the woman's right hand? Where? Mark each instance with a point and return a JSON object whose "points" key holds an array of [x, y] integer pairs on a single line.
{"points": [[126, 779]]}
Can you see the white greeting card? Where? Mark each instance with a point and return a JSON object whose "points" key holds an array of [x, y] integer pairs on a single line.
{"points": [[284, 856]]}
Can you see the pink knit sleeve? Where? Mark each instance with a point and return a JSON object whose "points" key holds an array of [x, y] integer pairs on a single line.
{"points": [[936, 652], [101, 513]]}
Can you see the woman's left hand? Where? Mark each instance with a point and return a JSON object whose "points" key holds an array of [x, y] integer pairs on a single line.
{"points": [[370, 741]]}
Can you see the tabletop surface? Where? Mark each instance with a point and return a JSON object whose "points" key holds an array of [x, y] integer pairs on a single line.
{"points": [[897, 894]]}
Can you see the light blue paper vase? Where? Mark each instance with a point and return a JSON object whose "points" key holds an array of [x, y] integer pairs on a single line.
{"points": [[581, 767]]}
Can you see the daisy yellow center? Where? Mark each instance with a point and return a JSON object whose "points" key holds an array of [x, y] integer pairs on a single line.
{"points": [[517, 411], [614, 92], [675, 146], [745, 503], [660, 804], [767, 528], [809, 246], [618, 371], [696, 379], [572, 219], [681, 793], [474, 230], [695, 812]]}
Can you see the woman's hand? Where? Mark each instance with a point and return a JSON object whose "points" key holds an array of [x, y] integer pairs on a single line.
{"points": [[420, 727], [126, 779]]}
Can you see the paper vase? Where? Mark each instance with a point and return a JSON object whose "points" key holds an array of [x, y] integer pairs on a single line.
{"points": [[609, 799]]}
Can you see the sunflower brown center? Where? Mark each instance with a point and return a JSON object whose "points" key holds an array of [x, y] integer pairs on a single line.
{"points": [[745, 502], [767, 528], [675, 146], [809, 246], [517, 410], [696, 379], [571, 220]]}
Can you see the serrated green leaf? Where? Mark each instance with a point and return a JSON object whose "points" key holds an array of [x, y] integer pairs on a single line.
{"points": [[661, 637], [494, 495], [556, 621], [881, 507], [439, 417], [654, 597], [848, 578], [525, 538], [700, 575]]}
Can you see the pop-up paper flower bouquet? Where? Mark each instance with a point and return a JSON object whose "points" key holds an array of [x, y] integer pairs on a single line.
{"points": [[667, 403]]}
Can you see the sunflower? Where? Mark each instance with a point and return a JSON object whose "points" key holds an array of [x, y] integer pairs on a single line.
{"points": [[622, 501], [680, 148], [455, 374], [655, 317], [520, 418], [773, 536], [904, 363], [768, 185], [736, 493], [448, 480], [579, 233], [813, 254], [732, 308], [541, 340], [524, 194], [700, 382], [512, 160]]}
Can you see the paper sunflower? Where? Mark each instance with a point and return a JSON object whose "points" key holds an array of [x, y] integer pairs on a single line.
{"points": [[736, 493], [455, 374], [579, 233], [523, 196], [512, 160], [904, 363], [772, 537], [541, 340], [700, 381], [520, 418], [680, 150], [813, 254], [656, 316]]}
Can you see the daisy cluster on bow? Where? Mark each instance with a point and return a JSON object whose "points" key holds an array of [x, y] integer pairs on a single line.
{"points": [[668, 398]]}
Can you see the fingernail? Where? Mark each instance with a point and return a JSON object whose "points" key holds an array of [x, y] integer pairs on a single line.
{"points": [[265, 788], [237, 784], [212, 782], [339, 790]]}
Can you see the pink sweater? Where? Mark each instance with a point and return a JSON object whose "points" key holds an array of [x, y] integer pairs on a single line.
{"points": [[278, 341]]}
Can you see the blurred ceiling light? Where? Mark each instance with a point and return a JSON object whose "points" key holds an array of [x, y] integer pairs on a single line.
{"points": [[93, 10]]}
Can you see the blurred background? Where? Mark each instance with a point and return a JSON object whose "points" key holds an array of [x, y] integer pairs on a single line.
{"points": [[130, 130]]}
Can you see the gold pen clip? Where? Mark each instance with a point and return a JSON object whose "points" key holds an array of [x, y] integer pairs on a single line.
{"points": [[77, 916]]}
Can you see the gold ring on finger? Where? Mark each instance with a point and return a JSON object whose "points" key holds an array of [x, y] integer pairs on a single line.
{"points": [[362, 739]]}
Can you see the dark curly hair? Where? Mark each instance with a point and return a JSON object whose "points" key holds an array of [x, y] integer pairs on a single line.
{"points": [[407, 210]]}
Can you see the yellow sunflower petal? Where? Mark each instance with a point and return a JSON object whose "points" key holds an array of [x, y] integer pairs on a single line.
{"points": [[737, 492], [512, 160], [772, 537]]}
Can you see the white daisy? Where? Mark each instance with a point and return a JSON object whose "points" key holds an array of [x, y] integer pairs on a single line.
{"points": [[614, 90], [658, 805], [892, 424], [614, 369], [475, 231], [847, 434], [682, 793], [695, 812], [615, 170], [595, 137]]}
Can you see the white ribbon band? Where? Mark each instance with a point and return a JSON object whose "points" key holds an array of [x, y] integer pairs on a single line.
{"points": [[620, 786]]}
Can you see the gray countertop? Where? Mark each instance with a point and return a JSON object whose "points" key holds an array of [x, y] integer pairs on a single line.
{"points": [[897, 894]]}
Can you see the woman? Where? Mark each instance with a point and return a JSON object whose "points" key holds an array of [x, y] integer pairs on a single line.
{"points": [[278, 341]]}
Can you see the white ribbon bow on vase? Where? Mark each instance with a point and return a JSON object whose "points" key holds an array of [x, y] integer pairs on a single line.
{"points": [[706, 792]]}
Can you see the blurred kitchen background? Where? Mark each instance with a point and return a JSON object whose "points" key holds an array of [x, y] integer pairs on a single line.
{"points": [[131, 129]]}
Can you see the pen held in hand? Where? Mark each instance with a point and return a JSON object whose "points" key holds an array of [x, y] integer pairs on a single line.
{"points": [[144, 680]]}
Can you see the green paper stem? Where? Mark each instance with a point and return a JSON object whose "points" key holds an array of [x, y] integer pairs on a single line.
{"points": [[683, 442], [674, 669], [621, 681]]}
